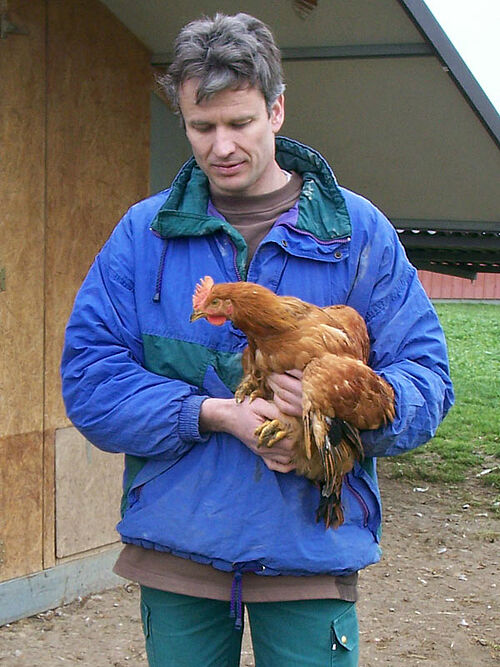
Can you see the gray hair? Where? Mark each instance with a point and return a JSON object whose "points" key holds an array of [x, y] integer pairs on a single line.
{"points": [[225, 52]]}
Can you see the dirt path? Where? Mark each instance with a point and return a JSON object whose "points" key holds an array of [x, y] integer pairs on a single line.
{"points": [[432, 600]]}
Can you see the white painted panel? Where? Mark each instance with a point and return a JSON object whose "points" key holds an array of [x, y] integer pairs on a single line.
{"points": [[399, 132], [156, 23]]}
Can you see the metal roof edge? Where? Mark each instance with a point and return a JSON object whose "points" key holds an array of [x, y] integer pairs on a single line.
{"points": [[432, 31], [351, 51], [448, 225]]}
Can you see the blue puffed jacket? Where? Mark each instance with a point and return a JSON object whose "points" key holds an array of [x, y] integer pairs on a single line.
{"points": [[135, 371]]}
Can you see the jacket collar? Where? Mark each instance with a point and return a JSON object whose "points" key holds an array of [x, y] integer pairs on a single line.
{"points": [[322, 208]]}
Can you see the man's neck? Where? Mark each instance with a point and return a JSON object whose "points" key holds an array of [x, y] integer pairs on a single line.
{"points": [[276, 179], [254, 216]]}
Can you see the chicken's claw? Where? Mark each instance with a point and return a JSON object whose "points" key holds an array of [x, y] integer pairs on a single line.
{"points": [[270, 432], [239, 396], [248, 387], [258, 393]]}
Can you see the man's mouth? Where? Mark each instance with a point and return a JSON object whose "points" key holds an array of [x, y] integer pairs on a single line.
{"points": [[227, 169]]}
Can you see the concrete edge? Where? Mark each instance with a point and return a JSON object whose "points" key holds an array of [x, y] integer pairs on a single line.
{"points": [[58, 585]]}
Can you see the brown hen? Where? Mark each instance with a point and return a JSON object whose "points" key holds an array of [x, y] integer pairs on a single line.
{"points": [[341, 394]]}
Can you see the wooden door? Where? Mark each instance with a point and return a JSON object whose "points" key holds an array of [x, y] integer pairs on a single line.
{"points": [[22, 252]]}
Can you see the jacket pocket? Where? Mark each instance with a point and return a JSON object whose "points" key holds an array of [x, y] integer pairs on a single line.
{"points": [[150, 471], [214, 386], [361, 500]]}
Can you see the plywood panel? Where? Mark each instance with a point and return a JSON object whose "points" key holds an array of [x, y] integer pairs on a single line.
{"points": [[88, 493], [22, 141], [99, 84], [48, 529], [20, 505], [22, 246]]}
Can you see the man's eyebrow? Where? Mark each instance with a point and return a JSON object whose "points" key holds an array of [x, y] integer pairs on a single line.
{"points": [[242, 119], [238, 119]]}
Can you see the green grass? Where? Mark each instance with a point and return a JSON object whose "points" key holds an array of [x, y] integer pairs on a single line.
{"points": [[468, 441]]}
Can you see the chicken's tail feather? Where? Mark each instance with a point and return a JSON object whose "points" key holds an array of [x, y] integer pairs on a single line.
{"points": [[351, 436], [308, 435], [330, 510], [342, 443], [341, 446], [329, 460]]}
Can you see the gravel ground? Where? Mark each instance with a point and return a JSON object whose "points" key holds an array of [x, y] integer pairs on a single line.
{"points": [[432, 600]]}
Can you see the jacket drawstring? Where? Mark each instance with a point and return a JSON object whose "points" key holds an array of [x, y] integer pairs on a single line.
{"points": [[236, 609], [159, 275], [236, 602]]}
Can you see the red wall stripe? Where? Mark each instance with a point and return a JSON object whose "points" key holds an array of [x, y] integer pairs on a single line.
{"points": [[440, 286]]}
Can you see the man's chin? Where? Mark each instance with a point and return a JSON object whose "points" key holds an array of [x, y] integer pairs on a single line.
{"points": [[229, 186]]}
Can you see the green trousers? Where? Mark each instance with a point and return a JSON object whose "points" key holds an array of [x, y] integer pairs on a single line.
{"points": [[185, 631]]}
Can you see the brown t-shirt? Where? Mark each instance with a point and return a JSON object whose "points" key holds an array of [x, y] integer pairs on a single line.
{"points": [[252, 217], [161, 570]]}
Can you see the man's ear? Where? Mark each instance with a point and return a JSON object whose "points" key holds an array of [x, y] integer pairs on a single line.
{"points": [[278, 113]]}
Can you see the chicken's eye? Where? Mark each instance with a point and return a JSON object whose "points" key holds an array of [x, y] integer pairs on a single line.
{"points": [[215, 302]]}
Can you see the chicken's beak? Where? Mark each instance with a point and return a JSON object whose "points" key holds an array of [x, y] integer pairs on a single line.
{"points": [[196, 315]]}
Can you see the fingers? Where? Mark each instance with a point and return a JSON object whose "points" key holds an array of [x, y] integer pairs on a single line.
{"points": [[279, 467], [281, 451], [280, 457], [288, 404], [290, 381], [250, 417], [287, 389], [295, 373]]}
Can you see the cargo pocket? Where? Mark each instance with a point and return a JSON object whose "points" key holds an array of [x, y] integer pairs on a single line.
{"points": [[345, 639], [148, 635]]}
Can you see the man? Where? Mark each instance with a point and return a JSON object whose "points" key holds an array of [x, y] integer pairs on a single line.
{"points": [[208, 518]]}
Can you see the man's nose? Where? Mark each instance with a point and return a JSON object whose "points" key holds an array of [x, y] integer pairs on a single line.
{"points": [[223, 144]]}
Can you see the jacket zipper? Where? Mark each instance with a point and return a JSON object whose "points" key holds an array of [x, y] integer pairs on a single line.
{"points": [[341, 239], [361, 500], [235, 263]]}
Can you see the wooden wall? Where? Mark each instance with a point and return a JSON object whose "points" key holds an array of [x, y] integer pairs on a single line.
{"points": [[74, 132], [22, 242], [440, 286]]}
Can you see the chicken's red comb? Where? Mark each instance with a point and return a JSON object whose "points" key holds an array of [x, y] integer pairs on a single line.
{"points": [[201, 292]]}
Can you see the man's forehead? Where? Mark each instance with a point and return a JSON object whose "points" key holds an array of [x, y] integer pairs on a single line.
{"points": [[242, 93]]}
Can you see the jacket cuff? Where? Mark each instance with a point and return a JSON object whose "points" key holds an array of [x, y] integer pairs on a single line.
{"points": [[189, 416]]}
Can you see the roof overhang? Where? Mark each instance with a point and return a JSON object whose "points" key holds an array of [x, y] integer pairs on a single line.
{"points": [[379, 88]]}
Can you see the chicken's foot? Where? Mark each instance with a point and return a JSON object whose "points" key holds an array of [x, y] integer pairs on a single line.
{"points": [[251, 387], [270, 432]]}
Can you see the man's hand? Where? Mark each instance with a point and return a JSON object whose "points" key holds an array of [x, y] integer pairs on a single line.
{"points": [[241, 420], [287, 388]]}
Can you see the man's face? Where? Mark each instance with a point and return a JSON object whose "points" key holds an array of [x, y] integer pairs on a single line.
{"points": [[232, 138]]}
